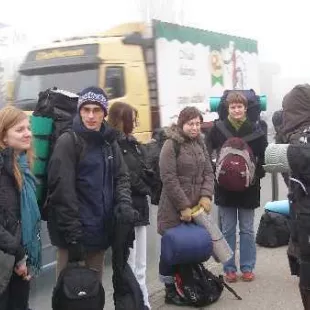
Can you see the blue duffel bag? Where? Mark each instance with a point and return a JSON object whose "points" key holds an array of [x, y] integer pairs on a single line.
{"points": [[186, 243]]}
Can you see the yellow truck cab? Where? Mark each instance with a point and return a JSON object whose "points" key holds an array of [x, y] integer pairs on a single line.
{"points": [[157, 69], [75, 63]]}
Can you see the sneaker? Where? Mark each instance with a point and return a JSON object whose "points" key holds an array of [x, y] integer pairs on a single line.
{"points": [[248, 276], [231, 277]]}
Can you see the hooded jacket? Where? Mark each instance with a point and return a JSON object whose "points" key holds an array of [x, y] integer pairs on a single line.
{"points": [[87, 182], [186, 177]]}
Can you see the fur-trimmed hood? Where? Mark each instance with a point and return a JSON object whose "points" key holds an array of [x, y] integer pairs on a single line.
{"points": [[175, 133]]}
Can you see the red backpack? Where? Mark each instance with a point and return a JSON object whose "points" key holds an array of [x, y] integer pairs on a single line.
{"points": [[236, 163]]}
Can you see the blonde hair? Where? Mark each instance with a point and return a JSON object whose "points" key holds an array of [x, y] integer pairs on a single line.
{"points": [[9, 117]]}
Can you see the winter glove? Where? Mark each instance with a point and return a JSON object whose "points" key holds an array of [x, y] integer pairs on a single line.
{"points": [[205, 203], [126, 214], [75, 252], [186, 215]]}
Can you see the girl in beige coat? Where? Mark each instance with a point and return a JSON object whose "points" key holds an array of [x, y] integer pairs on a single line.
{"points": [[188, 180]]}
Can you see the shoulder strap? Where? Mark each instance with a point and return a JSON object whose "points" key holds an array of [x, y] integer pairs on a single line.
{"points": [[222, 128], [253, 136], [248, 138], [177, 147], [219, 280], [77, 144]]}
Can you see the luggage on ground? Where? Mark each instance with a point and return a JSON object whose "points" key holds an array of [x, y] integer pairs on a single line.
{"points": [[78, 288], [273, 230], [199, 286]]}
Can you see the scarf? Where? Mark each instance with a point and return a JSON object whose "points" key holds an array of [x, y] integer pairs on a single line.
{"points": [[30, 216], [236, 123]]}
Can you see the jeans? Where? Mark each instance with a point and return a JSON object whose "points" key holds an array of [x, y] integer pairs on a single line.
{"points": [[228, 219], [93, 260], [137, 261], [166, 272]]}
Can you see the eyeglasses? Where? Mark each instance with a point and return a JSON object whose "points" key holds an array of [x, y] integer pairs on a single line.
{"points": [[193, 124]]}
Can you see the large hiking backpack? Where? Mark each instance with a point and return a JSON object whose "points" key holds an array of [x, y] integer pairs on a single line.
{"points": [[52, 116], [236, 163], [273, 230], [199, 286], [253, 109], [78, 288]]}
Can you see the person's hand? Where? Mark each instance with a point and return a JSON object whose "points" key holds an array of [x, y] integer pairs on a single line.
{"points": [[21, 270], [205, 203], [186, 215], [126, 214]]}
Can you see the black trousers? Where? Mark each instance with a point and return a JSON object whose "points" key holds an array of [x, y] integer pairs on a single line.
{"points": [[16, 295]]}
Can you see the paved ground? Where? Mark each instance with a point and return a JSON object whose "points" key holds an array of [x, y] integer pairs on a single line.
{"points": [[273, 288]]}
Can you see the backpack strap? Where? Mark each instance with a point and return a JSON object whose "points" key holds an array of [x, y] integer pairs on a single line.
{"points": [[219, 280], [177, 148], [77, 145], [253, 136], [222, 128], [248, 138]]}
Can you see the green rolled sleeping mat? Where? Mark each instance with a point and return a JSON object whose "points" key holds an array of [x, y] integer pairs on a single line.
{"points": [[42, 129]]}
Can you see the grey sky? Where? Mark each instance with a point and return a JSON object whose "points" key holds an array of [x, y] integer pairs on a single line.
{"points": [[280, 28]]}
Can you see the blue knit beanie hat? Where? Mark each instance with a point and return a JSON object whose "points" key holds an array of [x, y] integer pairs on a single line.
{"points": [[93, 95]]}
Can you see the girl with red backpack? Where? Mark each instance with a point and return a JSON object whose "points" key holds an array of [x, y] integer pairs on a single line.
{"points": [[237, 186]]}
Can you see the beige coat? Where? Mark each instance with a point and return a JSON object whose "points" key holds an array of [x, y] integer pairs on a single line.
{"points": [[186, 178]]}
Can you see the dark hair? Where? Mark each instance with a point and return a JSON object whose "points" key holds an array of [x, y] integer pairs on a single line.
{"points": [[236, 97], [188, 114], [122, 117]]}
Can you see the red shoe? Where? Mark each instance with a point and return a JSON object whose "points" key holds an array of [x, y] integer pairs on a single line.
{"points": [[231, 277], [248, 276]]}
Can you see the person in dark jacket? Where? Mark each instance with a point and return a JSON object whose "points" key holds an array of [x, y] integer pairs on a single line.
{"points": [[239, 205], [153, 149], [88, 185], [277, 120], [20, 220], [123, 118]]}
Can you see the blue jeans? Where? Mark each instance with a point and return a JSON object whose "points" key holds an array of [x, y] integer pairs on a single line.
{"points": [[166, 272], [228, 219]]}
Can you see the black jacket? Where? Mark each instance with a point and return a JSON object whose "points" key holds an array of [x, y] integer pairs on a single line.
{"points": [[134, 157], [127, 292], [10, 215], [250, 198], [88, 184]]}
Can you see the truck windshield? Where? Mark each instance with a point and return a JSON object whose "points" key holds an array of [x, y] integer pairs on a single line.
{"points": [[29, 85]]}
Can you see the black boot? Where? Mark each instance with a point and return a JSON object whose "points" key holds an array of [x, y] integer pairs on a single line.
{"points": [[172, 297], [305, 297]]}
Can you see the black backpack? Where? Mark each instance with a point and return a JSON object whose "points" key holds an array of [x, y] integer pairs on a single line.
{"points": [[53, 115], [153, 150], [78, 288], [273, 230], [199, 286]]}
